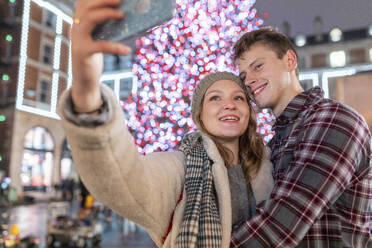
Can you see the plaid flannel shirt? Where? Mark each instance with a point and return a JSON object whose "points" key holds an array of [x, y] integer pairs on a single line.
{"points": [[323, 179]]}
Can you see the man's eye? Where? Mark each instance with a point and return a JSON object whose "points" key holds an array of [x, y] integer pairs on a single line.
{"points": [[259, 66]]}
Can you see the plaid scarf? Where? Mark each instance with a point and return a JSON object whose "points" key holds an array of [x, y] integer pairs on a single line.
{"points": [[201, 226]]}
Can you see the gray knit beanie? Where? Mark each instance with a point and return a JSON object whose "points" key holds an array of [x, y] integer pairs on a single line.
{"points": [[205, 83]]}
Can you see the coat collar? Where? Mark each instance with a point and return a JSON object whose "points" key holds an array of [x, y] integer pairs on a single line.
{"points": [[299, 104]]}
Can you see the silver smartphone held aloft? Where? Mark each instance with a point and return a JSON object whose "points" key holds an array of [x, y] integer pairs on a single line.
{"points": [[140, 16]]}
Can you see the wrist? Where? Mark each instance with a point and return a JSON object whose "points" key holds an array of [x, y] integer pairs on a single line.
{"points": [[96, 111], [86, 102]]}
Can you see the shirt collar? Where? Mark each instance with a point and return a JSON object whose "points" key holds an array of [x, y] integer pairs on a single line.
{"points": [[299, 103]]}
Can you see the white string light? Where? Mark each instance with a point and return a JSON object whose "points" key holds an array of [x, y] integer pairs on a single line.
{"points": [[54, 95], [56, 64], [115, 75], [23, 53], [69, 77], [37, 111]]}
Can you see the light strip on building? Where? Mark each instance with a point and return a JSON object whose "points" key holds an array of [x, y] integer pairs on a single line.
{"points": [[310, 76], [23, 53], [116, 75], [57, 44], [336, 73], [39, 112], [61, 16], [364, 68], [117, 88], [54, 9], [54, 94], [56, 64], [69, 77]]}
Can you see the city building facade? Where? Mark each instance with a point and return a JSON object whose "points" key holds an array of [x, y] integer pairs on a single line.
{"points": [[340, 61], [35, 70]]}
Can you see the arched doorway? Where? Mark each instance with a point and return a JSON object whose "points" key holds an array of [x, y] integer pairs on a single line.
{"points": [[37, 162]]}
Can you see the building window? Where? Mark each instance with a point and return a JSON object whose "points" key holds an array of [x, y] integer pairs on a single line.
{"points": [[126, 85], [37, 162], [47, 56], [357, 56], [44, 91], [116, 63], [319, 60], [110, 83], [370, 54], [50, 20], [337, 59]]}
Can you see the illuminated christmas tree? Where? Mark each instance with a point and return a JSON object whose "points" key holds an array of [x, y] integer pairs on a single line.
{"points": [[174, 57]]}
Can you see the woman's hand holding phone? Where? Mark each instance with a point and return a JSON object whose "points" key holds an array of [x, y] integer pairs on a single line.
{"points": [[87, 54]]}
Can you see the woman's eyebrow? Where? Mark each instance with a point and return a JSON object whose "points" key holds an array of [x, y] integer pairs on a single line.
{"points": [[213, 91], [220, 91]]}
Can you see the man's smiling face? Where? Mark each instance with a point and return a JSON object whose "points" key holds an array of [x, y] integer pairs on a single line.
{"points": [[266, 75]]}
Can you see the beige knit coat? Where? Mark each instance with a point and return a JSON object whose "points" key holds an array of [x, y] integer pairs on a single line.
{"points": [[145, 189]]}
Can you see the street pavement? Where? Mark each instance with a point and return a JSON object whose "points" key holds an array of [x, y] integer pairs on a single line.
{"points": [[33, 219]]}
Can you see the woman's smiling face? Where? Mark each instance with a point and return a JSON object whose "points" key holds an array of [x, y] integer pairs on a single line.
{"points": [[225, 112]]}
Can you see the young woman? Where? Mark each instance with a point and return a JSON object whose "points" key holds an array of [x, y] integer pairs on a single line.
{"points": [[191, 197], [187, 198]]}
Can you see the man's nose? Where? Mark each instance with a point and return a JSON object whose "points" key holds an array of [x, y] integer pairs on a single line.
{"points": [[249, 81]]}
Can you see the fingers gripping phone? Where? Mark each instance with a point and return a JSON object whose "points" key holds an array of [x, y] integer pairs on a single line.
{"points": [[140, 16]]}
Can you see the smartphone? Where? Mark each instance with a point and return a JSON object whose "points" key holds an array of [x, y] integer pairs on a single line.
{"points": [[140, 16]]}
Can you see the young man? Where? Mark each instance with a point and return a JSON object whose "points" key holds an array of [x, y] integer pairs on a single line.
{"points": [[321, 153]]}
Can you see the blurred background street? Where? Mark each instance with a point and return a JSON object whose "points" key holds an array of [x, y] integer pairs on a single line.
{"points": [[33, 219]]}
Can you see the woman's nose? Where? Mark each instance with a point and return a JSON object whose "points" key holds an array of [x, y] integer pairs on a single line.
{"points": [[229, 104]]}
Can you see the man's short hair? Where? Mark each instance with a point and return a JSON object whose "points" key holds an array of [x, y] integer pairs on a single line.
{"points": [[268, 36]]}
